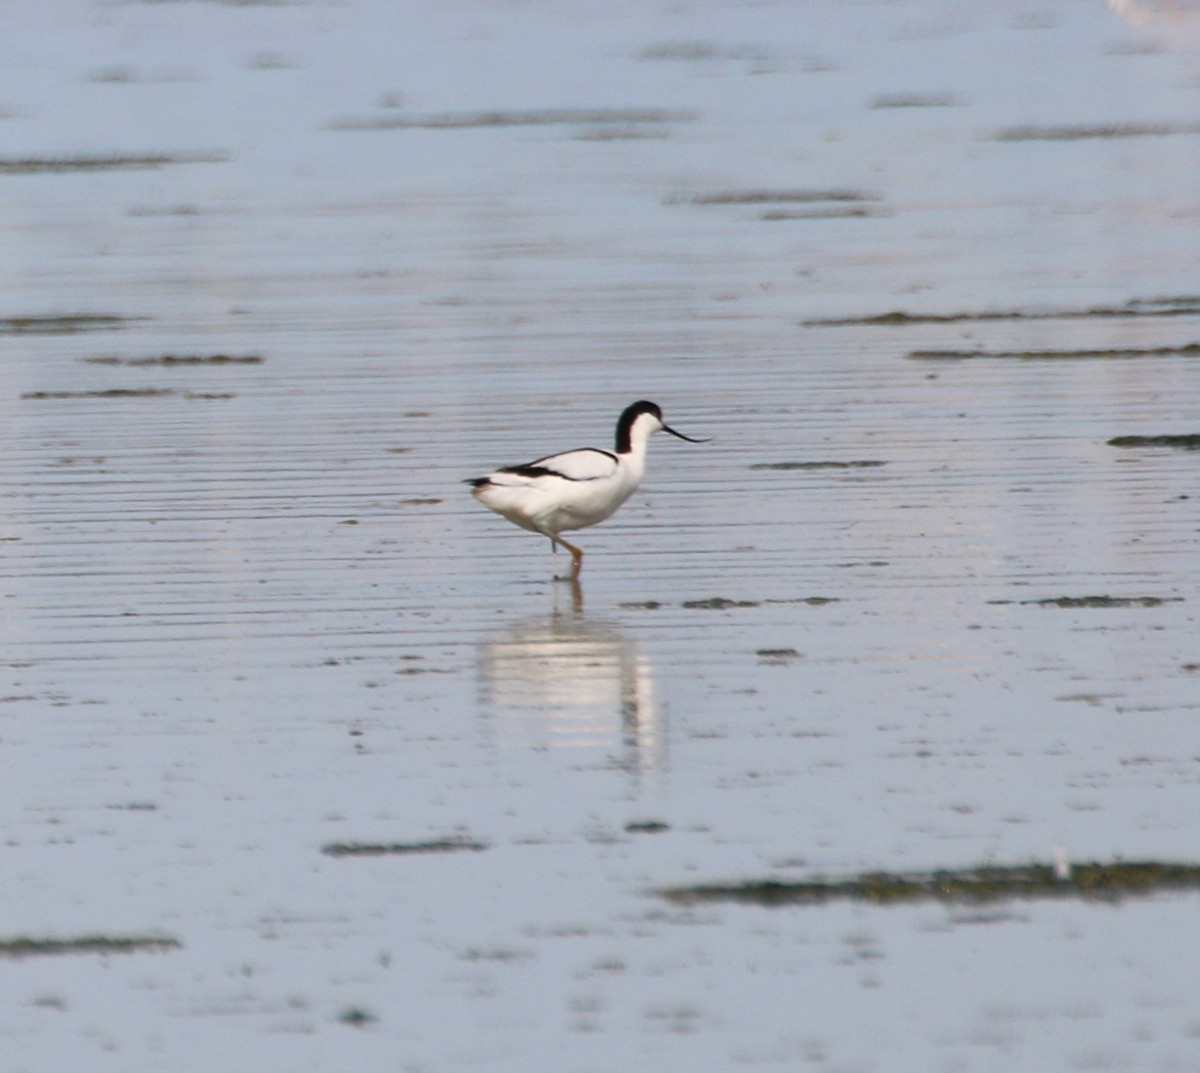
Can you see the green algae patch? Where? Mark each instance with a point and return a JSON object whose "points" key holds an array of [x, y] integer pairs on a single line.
{"points": [[64, 324], [915, 100], [537, 117], [1188, 350], [725, 603], [1188, 442], [24, 946], [1099, 601], [107, 393], [700, 51], [646, 827], [400, 849], [846, 212], [357, 1017], [1091, 131], [777, 655], [170, 361], [779, 197], [50, 165], [1183, 305], [1096, 882], [865, 463], [717, 603]]}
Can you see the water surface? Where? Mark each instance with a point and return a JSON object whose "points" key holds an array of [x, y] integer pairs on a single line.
{"points": [[278, 277]]}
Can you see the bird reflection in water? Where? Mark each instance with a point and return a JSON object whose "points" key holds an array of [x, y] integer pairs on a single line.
{"points": [[563, 680]]}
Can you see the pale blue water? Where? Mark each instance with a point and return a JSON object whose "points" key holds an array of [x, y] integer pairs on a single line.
{"points": [[256, 613]]}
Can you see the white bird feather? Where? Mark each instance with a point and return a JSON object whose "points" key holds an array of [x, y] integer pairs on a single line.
{"points": [[574, 489]]}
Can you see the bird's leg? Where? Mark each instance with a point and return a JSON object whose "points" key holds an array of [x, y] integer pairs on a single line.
{"points": [[576, 553], [576, 558]]}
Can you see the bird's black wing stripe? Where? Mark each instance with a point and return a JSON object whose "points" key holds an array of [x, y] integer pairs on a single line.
{"points": [[537, 469], [542, 471], [533, 470]]}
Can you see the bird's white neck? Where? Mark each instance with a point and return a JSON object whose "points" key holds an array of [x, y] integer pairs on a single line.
{"points": [[643, 427]]}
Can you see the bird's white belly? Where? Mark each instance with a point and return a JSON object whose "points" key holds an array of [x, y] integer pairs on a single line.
{"points": [[585, 505], [556, 506]]}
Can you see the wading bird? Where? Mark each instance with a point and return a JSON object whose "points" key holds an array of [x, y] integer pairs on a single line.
{"points": [[577, 488]]}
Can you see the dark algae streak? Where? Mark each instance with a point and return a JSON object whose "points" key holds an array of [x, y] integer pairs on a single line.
{"points": [[1094, 881]]}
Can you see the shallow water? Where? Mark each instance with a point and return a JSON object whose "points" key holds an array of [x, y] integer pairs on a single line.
{"points": [[279, 277]]}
